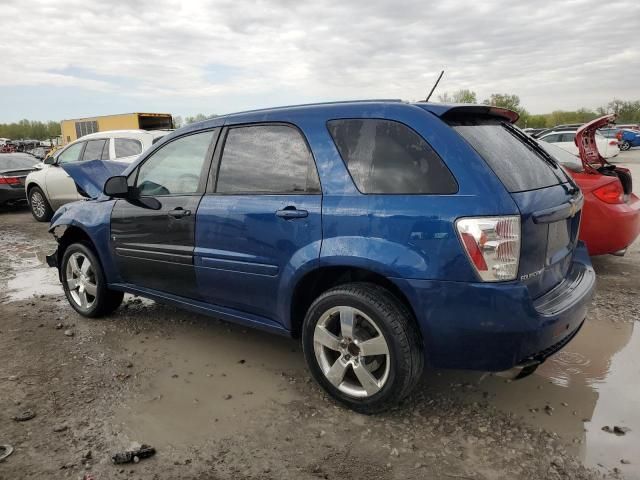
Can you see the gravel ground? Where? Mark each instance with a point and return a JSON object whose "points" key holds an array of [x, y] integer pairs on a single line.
{"points": [[218, 401]]}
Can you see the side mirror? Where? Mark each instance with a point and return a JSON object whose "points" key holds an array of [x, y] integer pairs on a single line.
{"points": [[49, 161], [116, 187]]}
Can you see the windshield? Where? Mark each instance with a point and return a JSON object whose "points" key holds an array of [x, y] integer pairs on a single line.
{"points": [[515, 157]]}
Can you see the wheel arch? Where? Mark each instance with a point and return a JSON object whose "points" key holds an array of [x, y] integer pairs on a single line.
{"points": [[321, 279]]}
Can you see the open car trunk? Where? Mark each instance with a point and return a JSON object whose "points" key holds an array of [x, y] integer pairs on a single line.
{"points": [[591, 159]]}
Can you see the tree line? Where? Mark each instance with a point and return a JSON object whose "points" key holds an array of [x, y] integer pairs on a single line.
{"points": [[628, 111], [30, 129]]}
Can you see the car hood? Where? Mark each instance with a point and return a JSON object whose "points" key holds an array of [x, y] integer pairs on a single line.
{"points": [[90, 176], [586, 142]]}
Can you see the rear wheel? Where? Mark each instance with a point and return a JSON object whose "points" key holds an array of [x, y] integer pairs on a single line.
{"points": [[362, 347], [40, 208], [84, 283], [624, 146]]}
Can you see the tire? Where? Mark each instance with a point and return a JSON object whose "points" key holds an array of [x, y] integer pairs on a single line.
{"points": [[624, 146], [80, 280], [40, 208], [339, 361]]}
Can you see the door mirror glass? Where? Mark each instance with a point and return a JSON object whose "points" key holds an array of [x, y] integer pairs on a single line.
{"points": [[116, 187], [49, 161]]}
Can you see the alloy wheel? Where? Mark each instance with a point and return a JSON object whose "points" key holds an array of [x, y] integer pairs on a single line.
{"points": [[351, 351], [38, 204], [81, 280]]}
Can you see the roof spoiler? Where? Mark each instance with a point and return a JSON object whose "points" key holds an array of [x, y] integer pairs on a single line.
{"points": [[484, 110]]}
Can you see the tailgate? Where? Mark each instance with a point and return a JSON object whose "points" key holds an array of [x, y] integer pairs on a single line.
{"points": [[550, 226]]}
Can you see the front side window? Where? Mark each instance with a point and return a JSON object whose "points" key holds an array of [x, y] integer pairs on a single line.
{"points": [[266, 159], [568, 137], [387, 157], [71, 153], [94, 149], [127, 147], [555, 138], [176, 168]]}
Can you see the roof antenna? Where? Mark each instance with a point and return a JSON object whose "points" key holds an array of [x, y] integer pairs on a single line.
{"points": [[434, 86]]}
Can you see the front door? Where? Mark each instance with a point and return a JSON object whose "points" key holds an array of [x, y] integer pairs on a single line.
{"points": [[260, 222], [152, 234], [60, 186]]}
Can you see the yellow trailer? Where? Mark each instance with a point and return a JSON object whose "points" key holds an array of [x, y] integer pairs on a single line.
{"points": [[78, 127]]}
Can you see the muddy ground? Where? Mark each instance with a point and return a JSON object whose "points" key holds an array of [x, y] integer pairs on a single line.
{"points": [[222, 402]]}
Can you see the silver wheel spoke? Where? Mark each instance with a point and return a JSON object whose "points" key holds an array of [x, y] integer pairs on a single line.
{"points": [[346, 322], [86, 266], [83, 299], [366, 379], [336, 373], [72, 283], [91, 289], [75, 267], [325, 337], [374, 346]]}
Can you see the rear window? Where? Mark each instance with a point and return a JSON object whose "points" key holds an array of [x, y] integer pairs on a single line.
{"points": [[17, 161], [519, 166], [384, 156]]}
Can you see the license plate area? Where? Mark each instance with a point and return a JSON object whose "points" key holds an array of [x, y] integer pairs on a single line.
{"points": [[558, 241]]}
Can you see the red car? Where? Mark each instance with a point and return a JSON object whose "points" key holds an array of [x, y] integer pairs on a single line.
{"points": [[611, 212]]}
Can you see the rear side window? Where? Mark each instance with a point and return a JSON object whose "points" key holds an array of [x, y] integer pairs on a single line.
{"points": [[127, 147], [266, 159], [384, 156], [94, 150], [519, 166]]}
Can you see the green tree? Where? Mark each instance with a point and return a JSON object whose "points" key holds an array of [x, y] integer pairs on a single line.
{"points": [[198, 118], [459, 96], [512, 102]]}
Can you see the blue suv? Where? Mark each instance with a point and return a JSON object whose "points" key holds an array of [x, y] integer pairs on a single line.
{"points": [[385, 234]]}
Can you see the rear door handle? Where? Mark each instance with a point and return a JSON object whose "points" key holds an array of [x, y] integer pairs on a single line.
{"points": [[289, 213], [179, 213]]}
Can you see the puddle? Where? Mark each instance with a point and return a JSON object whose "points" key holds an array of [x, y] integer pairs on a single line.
{"points": [[593, 382], [23, 268], [186, 401]]}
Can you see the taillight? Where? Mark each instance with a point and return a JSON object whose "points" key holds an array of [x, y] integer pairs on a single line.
{"points": [[611, 192], [619, 135], [613, 142], [9, 180], [492, 245]]}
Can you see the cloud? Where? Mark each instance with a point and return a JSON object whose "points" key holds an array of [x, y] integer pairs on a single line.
{"points": [[230, 55]]}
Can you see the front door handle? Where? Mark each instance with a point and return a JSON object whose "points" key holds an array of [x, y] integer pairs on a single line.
{"points": [[179, 213], [289, 213]]}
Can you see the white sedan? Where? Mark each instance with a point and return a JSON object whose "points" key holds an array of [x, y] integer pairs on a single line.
{"points": [[565, 139], [50, 186]]}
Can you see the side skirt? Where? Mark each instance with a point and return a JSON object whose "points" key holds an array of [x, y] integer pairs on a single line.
{"points": [[219, 312]]}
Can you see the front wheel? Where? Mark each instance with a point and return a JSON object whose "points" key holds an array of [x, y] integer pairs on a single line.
{"points": [[362, 347], [84, 283], [40, 208], [624, 146]]}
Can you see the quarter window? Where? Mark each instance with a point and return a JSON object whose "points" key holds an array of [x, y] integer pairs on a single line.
{"points": [[127, 147], [384, 156], [71, 153], [266, 159], [176, 168], [94, 150]]}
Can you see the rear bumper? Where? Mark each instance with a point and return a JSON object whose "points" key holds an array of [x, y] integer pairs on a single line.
{"points": [[609, 228], [494, 327], [12, 195]]}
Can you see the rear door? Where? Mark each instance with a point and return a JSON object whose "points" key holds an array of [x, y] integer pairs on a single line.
{"points": [[152, 234], [126, 149], [261, 221], [548, 200]]}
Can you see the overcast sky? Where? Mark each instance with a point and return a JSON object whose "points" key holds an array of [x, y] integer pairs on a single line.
{"points": [[65, 59]]}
